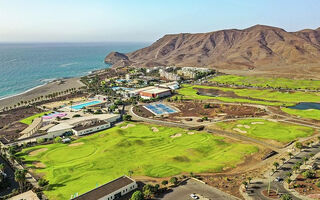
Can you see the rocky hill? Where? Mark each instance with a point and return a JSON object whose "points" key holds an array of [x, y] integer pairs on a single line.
{"points": [[256, 50]]}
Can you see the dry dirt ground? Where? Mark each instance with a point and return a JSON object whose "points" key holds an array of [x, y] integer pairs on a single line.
{"points": [[195, 109]]}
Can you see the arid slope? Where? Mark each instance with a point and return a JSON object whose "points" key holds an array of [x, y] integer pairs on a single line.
{"points": [[259, 49]]}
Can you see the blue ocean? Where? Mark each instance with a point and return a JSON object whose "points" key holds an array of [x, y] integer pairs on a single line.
{"points": [[25, 66]]}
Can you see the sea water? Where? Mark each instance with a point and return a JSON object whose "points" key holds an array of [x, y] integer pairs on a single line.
{"points": [[25, 66]]}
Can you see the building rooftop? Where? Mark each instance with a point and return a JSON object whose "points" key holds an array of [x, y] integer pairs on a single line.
{"points": [[157, 90], [34, 124], [89, 125], [29, 195], [106, 189]]}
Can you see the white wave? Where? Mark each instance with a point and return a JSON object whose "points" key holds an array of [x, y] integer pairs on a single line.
{"points": [[9, 61], [68, 64]]}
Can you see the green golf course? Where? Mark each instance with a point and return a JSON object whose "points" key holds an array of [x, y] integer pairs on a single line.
{"points": [[263, 97], [265, 129], [309, 114], [267, 82], [101, 157]]}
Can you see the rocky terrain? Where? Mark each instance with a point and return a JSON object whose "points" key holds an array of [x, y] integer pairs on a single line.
{"points": [[259, 49]]}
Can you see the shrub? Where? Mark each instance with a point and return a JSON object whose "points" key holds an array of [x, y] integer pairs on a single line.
{"points": [[137, 195], [40, 140], [58, 140], [174, 180], [43, 182]]}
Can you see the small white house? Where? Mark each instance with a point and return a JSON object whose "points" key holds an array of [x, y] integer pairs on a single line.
{"points": [[90, 127], [112, 190]]}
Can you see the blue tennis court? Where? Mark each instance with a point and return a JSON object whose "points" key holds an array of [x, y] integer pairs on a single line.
{"points": [[160, 109]]}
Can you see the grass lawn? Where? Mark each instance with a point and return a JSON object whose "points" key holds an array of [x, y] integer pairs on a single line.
{"points": [[113, 152], [309, 114], [264, 129], [267, 82], [280, 98], [29, 120]]}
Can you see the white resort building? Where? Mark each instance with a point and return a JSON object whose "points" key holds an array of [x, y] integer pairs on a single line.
{"points": [[111, 190]]}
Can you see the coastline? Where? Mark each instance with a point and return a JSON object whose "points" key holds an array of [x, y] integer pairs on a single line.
{"points": [[57, 85]]}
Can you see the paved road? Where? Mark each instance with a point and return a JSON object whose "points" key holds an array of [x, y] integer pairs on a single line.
{"points": [[207, 192], [10, 173]]}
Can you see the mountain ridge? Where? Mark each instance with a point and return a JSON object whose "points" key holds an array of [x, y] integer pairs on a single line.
{"points": [[259, 49]]}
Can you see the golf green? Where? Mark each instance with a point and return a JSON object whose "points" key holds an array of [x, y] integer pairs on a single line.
{"points": [[265, 129], [147, 150]]}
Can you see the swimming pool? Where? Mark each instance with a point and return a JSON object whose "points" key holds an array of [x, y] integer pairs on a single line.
{"points": [[160, 109], [80, 106]]}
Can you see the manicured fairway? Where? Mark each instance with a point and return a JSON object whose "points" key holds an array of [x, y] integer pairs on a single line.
{"points": [[113, 152], [264, 97], [264, 129], [267, 82], [29, 120], [309, 114]]}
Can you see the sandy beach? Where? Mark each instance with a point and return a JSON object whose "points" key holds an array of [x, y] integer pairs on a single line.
{"points": [[55, 86]]}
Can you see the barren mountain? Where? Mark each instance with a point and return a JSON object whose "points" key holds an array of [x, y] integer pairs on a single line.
{"points": [[256, 50]]}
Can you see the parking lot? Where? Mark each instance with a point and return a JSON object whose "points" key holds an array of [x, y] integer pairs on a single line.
{"points": [[203, 191]]}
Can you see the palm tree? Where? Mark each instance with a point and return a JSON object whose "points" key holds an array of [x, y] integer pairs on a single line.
{"points": [[2, 167], [20, 177]]}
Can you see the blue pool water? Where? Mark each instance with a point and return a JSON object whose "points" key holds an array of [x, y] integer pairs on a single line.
{"points": [[160, 109], [306, 106], [80, 106]]}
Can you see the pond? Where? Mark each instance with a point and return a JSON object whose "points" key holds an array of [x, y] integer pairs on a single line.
{"points": [[306, 106]]}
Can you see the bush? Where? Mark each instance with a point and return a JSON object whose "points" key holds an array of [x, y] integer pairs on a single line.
{"points": [[40, 140], [58, 140], [174, 180], [318, 184], [43, 182], [137, 195]]}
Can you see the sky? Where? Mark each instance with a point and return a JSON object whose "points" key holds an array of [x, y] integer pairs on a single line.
{"points": [[144, 20]]}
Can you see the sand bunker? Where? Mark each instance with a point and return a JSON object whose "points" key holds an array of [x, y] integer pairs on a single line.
{"points": [[39, 165], [154, 129], [176, 135], [190, 133], [76, 144], [34, 153], [246, 126], [128, 125], [239, 130], [257, 123], [239, 125]]}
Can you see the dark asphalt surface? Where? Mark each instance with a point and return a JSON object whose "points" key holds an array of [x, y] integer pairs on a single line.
{"points": [[12, 183]]}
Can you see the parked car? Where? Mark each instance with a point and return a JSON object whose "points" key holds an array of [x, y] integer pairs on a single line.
{"points": [[193, 196]]}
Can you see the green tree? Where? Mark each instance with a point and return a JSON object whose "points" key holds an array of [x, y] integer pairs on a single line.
{"points": [[308, 174], [137, 195], [174, 180], [43, 182], [286, 197], [58, 140], [276, 165], [299, 145], [164, 182], [20, 177], [1, 167], [249, 179], [127, 117]]}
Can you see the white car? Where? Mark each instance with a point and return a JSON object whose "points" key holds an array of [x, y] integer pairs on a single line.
{"points": [[193, 196]]}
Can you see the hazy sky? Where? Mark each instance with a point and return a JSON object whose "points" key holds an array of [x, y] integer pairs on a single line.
{"points": [[144, 20]]}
